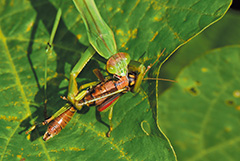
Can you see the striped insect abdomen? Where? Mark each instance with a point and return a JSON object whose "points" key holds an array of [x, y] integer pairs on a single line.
{"points": [[59, 123]]}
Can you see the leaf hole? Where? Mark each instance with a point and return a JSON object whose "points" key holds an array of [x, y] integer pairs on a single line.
{"points": [[230, 102], [193, 91], [198, 83]]}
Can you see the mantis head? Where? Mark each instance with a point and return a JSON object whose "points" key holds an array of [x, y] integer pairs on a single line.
{"points": [[117, 64], [121, 65]]}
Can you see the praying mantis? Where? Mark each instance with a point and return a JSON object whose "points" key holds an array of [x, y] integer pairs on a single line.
{"points": [[128, 74]]}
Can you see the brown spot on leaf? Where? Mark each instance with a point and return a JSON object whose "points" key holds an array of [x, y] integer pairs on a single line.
{"points": [[193, 91]]}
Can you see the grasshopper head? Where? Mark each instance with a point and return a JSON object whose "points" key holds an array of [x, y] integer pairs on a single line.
{"points": [[136, 74]]}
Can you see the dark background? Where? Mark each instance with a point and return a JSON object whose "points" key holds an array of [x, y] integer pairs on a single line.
{"points": [[236, 5]]}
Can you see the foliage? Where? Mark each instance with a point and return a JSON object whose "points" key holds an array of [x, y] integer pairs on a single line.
{"points": [[143, 29], [203, 120]]}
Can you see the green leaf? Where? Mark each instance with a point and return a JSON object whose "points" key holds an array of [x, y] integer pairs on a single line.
{"points": [[200, 114], [142, 28], [222, 33]]}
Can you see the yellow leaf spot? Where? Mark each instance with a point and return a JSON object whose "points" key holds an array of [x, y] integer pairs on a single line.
{"points": [[9, 118], [157, 19], [28, 136], [204, 70], [8, 127], [74, 149], [236, 93], [134, 33], [110, 9], [228, 129], [119, 10], [119, 31], [156, 33], [91, 124], [29, 27], [19, 156], [15, 103], [11, 3], [54, 150], [123, 44], [156, 5], [238, 108], [79, 36]]}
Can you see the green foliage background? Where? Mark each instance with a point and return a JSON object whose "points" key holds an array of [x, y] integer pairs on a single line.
{"points": [[198, 128], [206, 125]]}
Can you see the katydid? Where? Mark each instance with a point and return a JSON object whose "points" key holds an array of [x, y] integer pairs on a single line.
{"points": [[128, 75]]}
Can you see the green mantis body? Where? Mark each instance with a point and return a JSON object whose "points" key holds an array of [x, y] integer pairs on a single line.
{"points": [[128, 74]]}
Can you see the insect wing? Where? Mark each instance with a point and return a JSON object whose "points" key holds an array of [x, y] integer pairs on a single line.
{"points": [[99, 75], [110, 101]]}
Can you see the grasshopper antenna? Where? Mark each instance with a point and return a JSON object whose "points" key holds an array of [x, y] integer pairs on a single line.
{"points": [[150, 66], [162, 79]]}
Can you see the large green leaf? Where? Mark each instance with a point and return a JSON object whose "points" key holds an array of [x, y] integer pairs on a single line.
{"points": [[200, 113], [139, 26], [221, 34]]}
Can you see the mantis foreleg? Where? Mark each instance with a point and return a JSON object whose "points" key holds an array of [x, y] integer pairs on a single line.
{"points": [[73, 87]]}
